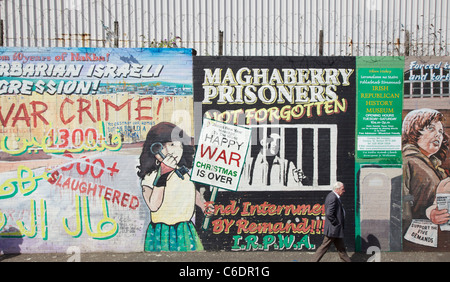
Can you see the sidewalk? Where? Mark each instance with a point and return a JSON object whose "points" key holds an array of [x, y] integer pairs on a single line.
{"points": [[234, 257]]}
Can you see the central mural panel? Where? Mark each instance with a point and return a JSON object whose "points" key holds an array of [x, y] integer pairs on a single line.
{"points": [[301, 112]]}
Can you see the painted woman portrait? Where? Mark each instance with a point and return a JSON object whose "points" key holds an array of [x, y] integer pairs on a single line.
{"points": [[168, 191], [425, 148]]}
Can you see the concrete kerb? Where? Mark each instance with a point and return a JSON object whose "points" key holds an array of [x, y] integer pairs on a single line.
{"points": [[222, 256]]}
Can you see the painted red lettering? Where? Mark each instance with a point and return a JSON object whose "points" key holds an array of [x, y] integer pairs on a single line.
{"points": [[117, 108], [61, 111], [25, 117], [139, 109], [38, 114], [6, 119], [116, 197], [235, 157], [85, 109]]}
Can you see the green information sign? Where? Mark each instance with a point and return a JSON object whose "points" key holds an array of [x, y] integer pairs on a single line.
{"points": [[379, 106]]}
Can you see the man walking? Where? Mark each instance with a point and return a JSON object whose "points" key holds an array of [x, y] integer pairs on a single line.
{"points": [[334, 224]]}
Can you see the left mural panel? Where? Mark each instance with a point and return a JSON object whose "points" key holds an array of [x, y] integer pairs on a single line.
{"points": [[73, 124]]}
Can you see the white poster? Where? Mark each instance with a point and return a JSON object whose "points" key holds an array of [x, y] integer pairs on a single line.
{"points": [[422, 232], [443, 203], [220, 154]]}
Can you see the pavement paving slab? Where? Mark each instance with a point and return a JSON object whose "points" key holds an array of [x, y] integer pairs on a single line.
{"points": [[234, 257]]}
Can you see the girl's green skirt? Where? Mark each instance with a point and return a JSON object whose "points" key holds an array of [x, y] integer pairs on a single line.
{"points": [[179, 237]]}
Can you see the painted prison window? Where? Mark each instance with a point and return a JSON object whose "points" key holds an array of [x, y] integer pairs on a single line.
{"points": [[290, 157], [427, 83]]}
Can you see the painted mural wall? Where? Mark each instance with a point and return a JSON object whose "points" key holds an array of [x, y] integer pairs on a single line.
{"points": [[73, 125], [425, 136], [378, 153], [301, 111], [98, 146], [403, 205]]}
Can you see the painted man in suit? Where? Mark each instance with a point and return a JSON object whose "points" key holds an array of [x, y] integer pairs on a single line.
{"points": [[334, 224]]}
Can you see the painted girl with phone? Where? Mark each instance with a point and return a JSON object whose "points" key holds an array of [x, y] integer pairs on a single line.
{"points": [[168, 191]]}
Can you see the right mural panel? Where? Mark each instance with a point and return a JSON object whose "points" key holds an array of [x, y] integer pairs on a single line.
{"points": [[425, 152]]}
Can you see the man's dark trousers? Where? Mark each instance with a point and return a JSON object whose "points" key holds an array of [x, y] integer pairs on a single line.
{"points": [[333, 228]]}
